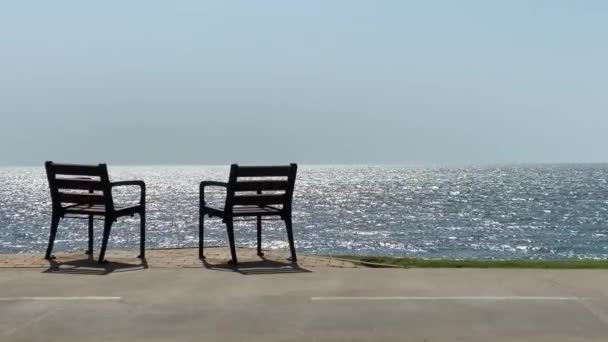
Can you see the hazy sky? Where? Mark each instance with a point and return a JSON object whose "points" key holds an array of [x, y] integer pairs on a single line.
{"points": [[148, 82]]}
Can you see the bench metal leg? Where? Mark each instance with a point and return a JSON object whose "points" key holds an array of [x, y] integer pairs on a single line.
{"points": [[90, 248], [260, 236], [230, 228], [201, 234], [142, 234], [106, 236], [292, 248], [54, 225]]}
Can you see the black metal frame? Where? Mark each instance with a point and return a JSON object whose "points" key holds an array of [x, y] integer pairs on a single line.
{"points": [[83, 200], [259, 205]]}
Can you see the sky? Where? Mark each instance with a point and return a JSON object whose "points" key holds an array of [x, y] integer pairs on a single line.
{"points": [[364, 82]]}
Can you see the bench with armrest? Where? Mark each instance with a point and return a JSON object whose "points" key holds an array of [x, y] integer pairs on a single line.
{"points": [[258, 192], [86, 191]]}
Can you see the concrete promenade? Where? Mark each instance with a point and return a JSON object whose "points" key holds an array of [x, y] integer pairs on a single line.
{"points": [[321, 301]]}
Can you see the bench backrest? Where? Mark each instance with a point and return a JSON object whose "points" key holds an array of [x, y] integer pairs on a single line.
{"points": [[261, 186], [79, 184]]}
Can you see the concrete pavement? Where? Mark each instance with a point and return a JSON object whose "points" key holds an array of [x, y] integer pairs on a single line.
{"points": [[325, 304]]}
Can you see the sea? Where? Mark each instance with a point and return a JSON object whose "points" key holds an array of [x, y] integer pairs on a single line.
{"points": [[473, 212]]}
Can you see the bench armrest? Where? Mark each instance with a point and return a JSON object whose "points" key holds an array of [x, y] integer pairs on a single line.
{"points": [[207, 184], [141, 184]]}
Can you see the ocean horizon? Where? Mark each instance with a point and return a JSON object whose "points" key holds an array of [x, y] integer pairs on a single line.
{"points": [[491, 211]]}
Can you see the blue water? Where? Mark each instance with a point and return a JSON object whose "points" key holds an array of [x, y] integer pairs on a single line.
{"points": [[505, 212]]}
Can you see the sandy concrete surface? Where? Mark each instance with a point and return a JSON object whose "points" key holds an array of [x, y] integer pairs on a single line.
{"points": [[271, 300]]}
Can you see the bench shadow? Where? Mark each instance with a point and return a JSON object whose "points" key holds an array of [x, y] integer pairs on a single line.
{"points": [[262, 266], [90, 266]]}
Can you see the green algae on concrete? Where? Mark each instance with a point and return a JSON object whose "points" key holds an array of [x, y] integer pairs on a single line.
{"points": [[379, 261]]}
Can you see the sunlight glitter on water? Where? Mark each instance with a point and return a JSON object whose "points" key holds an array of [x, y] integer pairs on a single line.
{"points": [[544, 211]]}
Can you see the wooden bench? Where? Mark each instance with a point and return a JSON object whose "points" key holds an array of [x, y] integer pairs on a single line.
{"points": [[256, 192], [79, 191]]}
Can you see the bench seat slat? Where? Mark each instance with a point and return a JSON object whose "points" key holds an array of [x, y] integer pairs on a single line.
{"points": [[251, 210], [81, 198], [77, 170], [259, 199], [98, 209], [79, 184], [261, 185], [263, 171]]}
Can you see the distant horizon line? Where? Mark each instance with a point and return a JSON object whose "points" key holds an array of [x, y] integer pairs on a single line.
{"points": [[396, 164]]}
